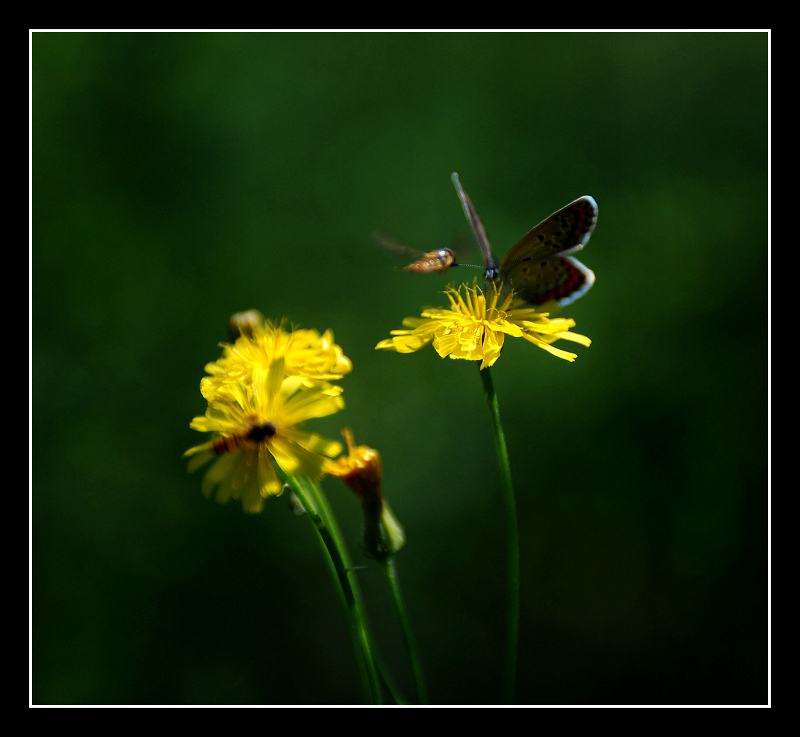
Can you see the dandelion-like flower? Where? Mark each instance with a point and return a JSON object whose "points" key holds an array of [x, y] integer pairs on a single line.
{"points": [[475, 327], [260, 427], [305, 353]]}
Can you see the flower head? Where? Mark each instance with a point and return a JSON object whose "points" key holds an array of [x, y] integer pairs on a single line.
{"points": [[476, 324], [305, 353], [259, 427]]}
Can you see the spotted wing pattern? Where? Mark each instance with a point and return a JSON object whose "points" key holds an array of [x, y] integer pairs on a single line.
{"points": [[538, 267]]}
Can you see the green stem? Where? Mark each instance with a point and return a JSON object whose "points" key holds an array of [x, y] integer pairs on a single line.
{"points": [[390, 573], [317, 509], [512, 536]]}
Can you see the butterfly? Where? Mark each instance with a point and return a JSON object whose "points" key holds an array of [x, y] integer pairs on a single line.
{"points": [[538, 268]]}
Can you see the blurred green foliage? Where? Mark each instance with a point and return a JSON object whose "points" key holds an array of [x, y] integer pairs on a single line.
{"points": [[180, 177]]}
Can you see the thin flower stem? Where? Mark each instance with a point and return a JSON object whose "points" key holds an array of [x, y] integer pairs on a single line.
{"points": [[512, 536], [316, 506], [389, 684], [390, 573]]}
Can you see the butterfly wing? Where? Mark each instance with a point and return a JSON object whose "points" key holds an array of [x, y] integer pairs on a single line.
{"points": [[477, 227], [538, 267]]}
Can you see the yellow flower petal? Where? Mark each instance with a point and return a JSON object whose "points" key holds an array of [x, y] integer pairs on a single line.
{"points": [[306, 354]]}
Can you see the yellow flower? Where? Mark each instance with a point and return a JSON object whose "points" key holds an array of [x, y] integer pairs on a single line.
{"points": [[258, 428], [475, 327], [306, 353]]}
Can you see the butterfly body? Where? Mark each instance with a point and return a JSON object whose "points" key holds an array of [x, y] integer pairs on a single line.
{"points": [[538, 268]]}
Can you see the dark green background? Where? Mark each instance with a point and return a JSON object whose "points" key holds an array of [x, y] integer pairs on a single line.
{"points": [[178, 178]]}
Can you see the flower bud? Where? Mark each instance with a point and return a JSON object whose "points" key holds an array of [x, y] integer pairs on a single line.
{"points": [[361, 471], [243, 323]]}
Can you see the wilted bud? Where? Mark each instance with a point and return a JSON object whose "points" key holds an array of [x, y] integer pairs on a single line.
{"points": [[361, 471]]}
